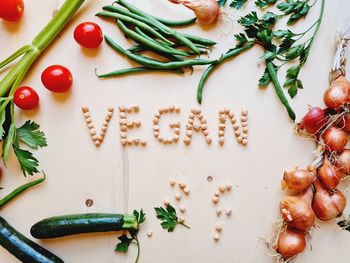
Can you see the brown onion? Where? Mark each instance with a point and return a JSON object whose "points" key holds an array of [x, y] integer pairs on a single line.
{"points": [[327, 205], [343, 162], [335, 139], [337, 95], [297, 211], [344, 123], [206, 11], [298, 179], [291, 242], [329, 175]]}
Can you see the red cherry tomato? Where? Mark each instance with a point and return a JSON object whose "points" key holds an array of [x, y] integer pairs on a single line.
{"points": [[26, 98], [11, 10], [57, 78], [88, 35]]}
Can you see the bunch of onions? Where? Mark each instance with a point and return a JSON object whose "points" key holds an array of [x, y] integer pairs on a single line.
{"points": [[291, 242], [206, 11], [329, 175], [335, 139], [297, 211], [337, 95], [344, 123], [343, 161], [313, 121], [327, 205], [298, 179]]}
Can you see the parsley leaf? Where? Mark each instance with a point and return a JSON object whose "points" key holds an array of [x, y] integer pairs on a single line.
{"points": [[241, 39], [222, 2], [264, 3], [26, 160], [168, 217], [292, 82], [2, 121], [124, 244], [296, 8], [238, 4], [140, 216], [30, 134], [265, 79], [249, 20], [344, 224]]}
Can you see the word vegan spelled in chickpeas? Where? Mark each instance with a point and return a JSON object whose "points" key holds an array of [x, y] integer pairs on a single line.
{"points": [[196, 123]]}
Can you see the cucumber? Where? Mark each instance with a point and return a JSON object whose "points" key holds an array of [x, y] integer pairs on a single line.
{"points": [[66, 225], [23, 248]]}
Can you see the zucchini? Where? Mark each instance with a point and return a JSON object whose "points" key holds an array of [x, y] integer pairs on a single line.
{"points": [[66, 225], [23, 248]]}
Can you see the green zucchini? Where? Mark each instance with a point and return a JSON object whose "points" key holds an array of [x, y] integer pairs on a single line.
{"points": [[66, 225], [23, 248]]}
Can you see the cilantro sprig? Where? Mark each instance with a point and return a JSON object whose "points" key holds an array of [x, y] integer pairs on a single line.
{"points": [[129, 238], [169, 218]]}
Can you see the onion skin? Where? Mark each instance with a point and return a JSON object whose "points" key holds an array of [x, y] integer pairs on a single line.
{"points": [[335, 139], [327, 205], [313, 121], [344, 123], [337, 95], [343, 162], [298, 179], [291, 242], [206, 11], [297, 211], [329, 175]]}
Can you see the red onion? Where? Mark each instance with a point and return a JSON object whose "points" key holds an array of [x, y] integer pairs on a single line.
{"points": [[337, 95], [314, 120], [335, 139]]}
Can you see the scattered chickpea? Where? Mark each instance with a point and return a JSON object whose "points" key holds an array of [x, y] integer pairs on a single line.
{"points": [[143, 142], [187, 190], [222, 188], [166, 202], [196, 127], [130, 124], [244, 141], [97, 143], [92, 131], [182, 185], [239, 139], [88, 120], [245, 129], [87, 115], [90, 126], [187, 140], [177, 110], [244, 124], [189, 133], [228, 187], [215, 199], [218, 212], [172, 182], [156, 134], [244, 112], [236, 127], [85, 109], [156, 128], [208, 139], [178, 196], [155, 121], [221, 140], [237, 133], [245, 136], [137, 124], [149, 233], [181, 220], [136, 142], [182, 209], [244, 118], [233, 120], [122, 109], [217, 193], [229, 212], [216, 237], [218, 228], [123, 135], [222, 126]]}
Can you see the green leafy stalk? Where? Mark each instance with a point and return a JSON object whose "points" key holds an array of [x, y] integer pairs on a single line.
{"points": [[29, 135], [127, 239]]}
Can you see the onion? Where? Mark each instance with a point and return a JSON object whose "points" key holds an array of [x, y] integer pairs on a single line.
{"points": [[298, 179], [344, 123], [329, 175], [343, 162], [335, 139], [327, 205], [314, 120], [206, 11], [291, 242], [297, 211], [337, 95]]}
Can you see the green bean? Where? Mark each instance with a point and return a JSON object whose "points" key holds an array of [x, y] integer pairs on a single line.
{"points": [[136, 48], [152, 44], [176, 23], [135, 22], [163, 28], [199, 40], [273, 74], [140, 32], [117, 9], [20, 190], [154, 63], [168, 56], [212, 67], [129, 71]]}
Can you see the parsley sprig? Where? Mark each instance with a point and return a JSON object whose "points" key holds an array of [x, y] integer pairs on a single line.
{"points": [[28, 134], [169, 218], [127, 239], [345, 224], [280, 47]]}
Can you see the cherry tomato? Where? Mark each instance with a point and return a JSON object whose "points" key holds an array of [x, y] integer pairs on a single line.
{"points": [[57, 78], [26, 98], [88, 35], [11, 10]]}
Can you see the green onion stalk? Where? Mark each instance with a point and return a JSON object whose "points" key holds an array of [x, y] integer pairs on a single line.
{"points": [[29, 54]]}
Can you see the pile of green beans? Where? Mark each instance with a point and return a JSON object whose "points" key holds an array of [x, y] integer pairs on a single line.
{"points": [[156, 35]]}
